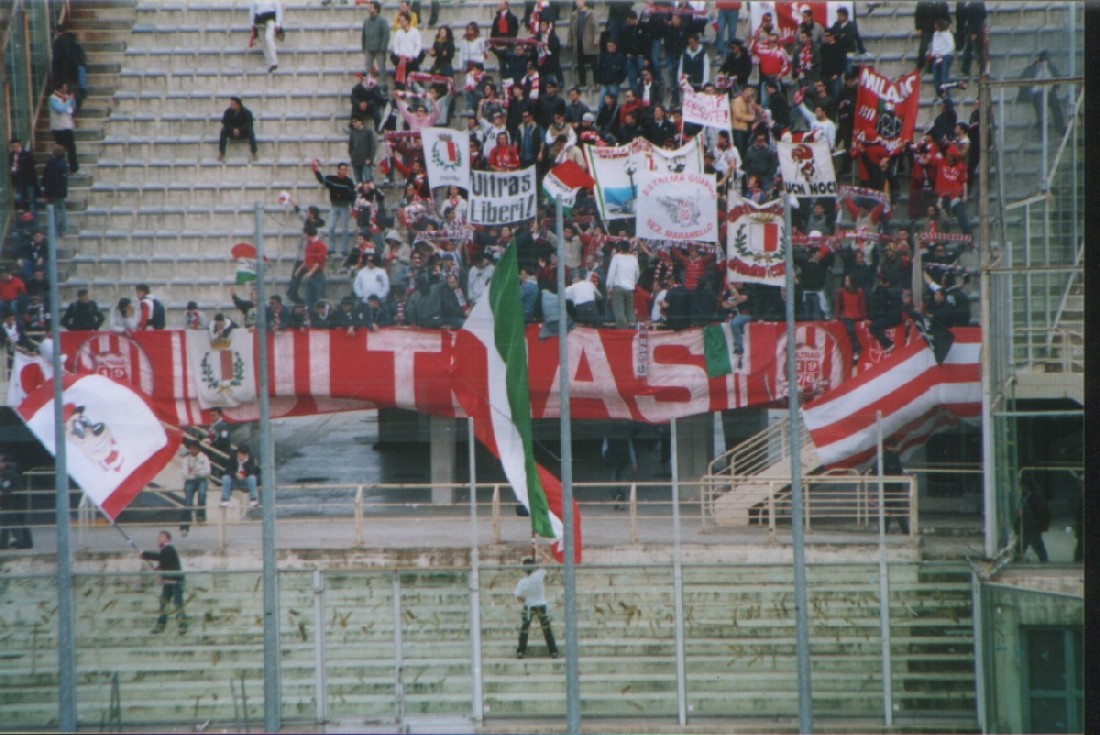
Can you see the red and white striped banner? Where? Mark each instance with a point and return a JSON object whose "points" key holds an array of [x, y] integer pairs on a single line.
{"points": [[916, 397]]}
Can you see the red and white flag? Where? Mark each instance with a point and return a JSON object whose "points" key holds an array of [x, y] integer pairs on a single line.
{"points": [[754, 242], [887, 109], [114, 443], [916, 396], [787, 16]]}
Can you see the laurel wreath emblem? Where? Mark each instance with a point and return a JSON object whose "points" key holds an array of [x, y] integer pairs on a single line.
{"points": [[741, 242], [223, 386], [439, 161]]}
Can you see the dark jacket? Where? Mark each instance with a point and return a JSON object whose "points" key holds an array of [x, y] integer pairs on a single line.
{"points": [[26, 176], [341, 191], [168, 561], [242, 119], [969, 18], [84, 316], [928, 12], [611, 68], [234, 466], [55, 178]]}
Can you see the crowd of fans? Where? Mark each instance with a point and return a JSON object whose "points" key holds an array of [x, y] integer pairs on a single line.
{"points": [[414, 259]]}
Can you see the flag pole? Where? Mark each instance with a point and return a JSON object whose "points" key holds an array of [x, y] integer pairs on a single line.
{"points": [[801, 622], [66, 640], [572, 671], [272, 687]]}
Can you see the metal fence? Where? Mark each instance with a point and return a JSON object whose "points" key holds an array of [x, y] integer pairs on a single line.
{"points": [[25, 63], [394, 646]]}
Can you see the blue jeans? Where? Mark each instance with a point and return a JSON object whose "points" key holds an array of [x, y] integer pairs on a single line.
{"points": [[338, 215], [235, 483], [611, 89], [727, 30], [190, 487], [633, 70], [958, 208], [315, 289], [817, 308], [655, 59], [737, 327], [363, 173], [941, 73], [61, 217]]}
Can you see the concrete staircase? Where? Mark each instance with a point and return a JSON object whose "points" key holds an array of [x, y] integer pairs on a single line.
{"points": [[744, 478], [397, 645], [161, 208], [103, 28]]}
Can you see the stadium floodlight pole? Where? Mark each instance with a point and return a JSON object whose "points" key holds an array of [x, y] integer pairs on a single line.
{"points": [[272, 685], [801, 623], [572, 671], [66, 644]]}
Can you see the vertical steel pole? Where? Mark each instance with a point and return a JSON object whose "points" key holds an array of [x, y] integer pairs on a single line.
{"points": [[572, 670], [985, 280], [477, 693], [320, 667], [678, 581], [398, 655], [66, 639], [272, 684], [884, 590], [801, 623]]}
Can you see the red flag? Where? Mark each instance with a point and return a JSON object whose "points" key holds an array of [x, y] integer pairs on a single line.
{"points": [[887, 109]]}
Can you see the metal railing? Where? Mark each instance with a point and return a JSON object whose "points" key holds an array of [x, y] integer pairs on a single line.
{"points": [[361, 516], [844, 499], [759, 452]]}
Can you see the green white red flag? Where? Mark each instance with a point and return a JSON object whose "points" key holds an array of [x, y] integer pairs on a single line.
{"points": [[496, 395]]}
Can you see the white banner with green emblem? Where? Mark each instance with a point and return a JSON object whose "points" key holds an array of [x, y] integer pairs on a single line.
{"points": [[223, 372], [447, 155]]}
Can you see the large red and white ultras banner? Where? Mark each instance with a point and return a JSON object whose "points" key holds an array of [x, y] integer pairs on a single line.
{"points": [[615, 374]]}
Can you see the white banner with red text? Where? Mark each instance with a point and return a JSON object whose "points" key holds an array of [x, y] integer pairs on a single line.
{"points": [[677, 207]]}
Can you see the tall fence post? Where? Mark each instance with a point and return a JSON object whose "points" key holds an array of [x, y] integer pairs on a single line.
{"points": [[398, 658], [359, 517], [496, 515], [319, 666]]}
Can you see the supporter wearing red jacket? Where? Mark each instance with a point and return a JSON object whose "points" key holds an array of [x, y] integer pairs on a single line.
{"points": [[950, 185], [851, 307]]}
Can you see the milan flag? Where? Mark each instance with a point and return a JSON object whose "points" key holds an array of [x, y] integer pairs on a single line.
{"points": [[447, 156], [807, 168], [788, 15], [886, 109], [754, 242], [114, 443], [677, 207]]}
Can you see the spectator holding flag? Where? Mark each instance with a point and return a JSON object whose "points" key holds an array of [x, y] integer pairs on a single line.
{"points": [[172, 581]]}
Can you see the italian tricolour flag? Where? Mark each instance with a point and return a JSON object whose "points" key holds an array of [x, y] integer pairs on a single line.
{"points": [[496, 395]]}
